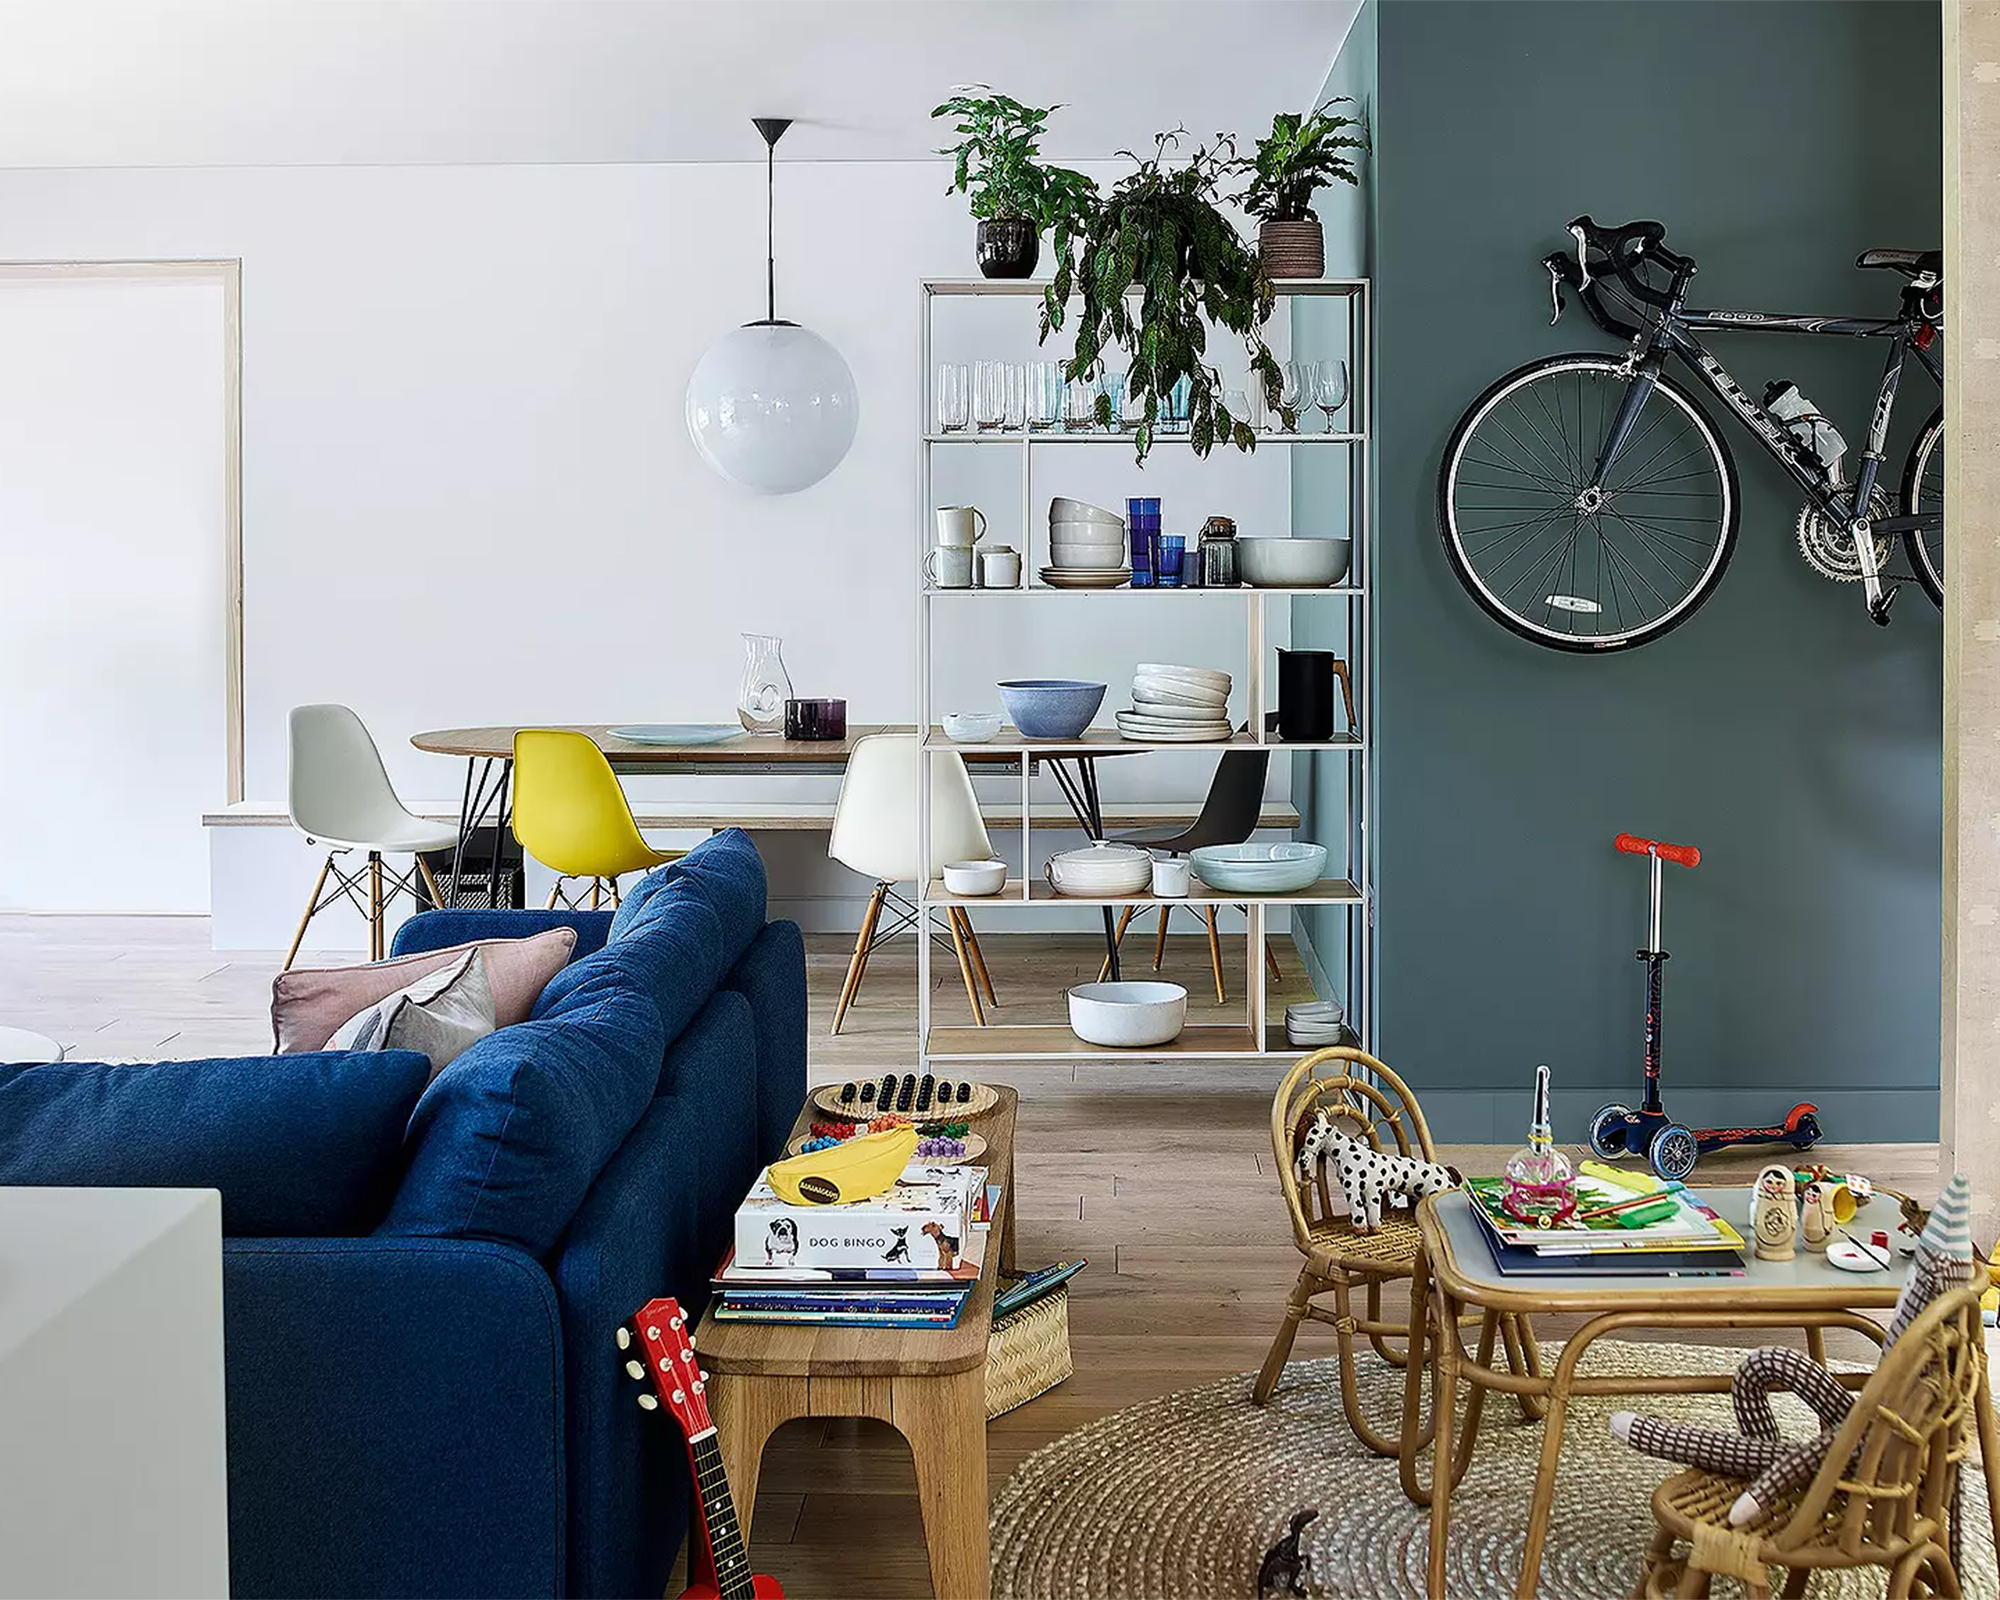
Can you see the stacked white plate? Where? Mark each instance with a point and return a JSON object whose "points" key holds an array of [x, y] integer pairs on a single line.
{"points": [[1177, 705], [1315, 1023], [1086, 547]]}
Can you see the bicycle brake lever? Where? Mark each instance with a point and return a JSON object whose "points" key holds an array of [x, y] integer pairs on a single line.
{"points": [[1582, 255], [1558, 304]]}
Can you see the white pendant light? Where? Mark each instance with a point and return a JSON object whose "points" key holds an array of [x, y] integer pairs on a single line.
{"points": [[772, 405]]}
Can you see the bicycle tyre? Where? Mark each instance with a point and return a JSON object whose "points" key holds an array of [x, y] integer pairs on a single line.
{"points": [[1928, 567], [1461, 562]]}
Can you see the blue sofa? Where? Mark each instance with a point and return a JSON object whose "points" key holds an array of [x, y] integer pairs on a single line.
{"points": [[422, 1280]]}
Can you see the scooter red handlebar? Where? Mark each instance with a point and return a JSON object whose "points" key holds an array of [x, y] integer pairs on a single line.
{"points": [[1685, 855]]}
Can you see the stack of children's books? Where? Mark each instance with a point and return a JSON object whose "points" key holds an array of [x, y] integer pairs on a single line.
{"points": [[1634, 1225], [907, 1258]]}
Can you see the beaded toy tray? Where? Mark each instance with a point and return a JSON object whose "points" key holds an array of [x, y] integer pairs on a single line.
{"points": [[975, 1147], [827, 1098]]}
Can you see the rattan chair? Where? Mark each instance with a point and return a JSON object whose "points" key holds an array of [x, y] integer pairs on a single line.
{"points": [[1368, 1101], [1884, 1497]]}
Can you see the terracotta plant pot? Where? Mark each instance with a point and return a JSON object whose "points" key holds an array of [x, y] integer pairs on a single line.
{"points": [[1009, 247], [1292, 249]]}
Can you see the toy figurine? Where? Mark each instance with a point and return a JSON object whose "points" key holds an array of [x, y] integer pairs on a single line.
{"points": [[1774, 1214], [1285, 1565], [1367, 1175], [1816, 1223]]}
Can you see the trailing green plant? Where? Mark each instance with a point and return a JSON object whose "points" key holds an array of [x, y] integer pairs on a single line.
{"points": [[1161, 231], [995, 161], [1300, 156]]}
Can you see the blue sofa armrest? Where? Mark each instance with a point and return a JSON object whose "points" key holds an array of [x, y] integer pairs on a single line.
{"points": [[439, 930], [772, 977], [655, 1223], [395, 1418]]}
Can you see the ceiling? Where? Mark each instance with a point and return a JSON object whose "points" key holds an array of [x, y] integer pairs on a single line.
{"points": [[430, 82]]}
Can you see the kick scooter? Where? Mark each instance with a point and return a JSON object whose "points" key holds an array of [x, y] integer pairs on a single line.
{"points": [[1671, 1147]]}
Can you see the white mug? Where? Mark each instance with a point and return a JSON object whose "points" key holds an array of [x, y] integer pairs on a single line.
{"points": [[1000, 569], [1170, 878], [960, 525], [949, 566]]}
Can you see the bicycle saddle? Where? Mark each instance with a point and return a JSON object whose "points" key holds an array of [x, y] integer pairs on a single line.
{"points": [[1907, 262]]}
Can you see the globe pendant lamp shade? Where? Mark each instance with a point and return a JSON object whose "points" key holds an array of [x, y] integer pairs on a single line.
{"points": [[772, 405]]}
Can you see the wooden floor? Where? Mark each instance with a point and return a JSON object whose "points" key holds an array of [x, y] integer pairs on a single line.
{"points": [[1161, 1175]]}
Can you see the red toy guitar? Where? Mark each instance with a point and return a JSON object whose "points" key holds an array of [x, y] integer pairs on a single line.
{"points": [[718, 1565]]}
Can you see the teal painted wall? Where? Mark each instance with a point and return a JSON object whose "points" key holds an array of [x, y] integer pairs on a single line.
{"points": [[1793, 741]]}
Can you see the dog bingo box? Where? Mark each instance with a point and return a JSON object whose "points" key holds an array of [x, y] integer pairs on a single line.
{"points": [[922, 1221]]}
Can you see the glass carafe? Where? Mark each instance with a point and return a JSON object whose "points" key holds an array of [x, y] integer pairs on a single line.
{"points": [[1538, 1185], [760, 699]]}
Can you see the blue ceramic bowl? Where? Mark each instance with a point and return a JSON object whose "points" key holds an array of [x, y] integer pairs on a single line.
{"points": [[1051, 708]]}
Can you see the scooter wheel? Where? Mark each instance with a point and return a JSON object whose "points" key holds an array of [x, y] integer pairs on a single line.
{"points": [[1806, 1134], [1674, 1152], [1609, 1131]]}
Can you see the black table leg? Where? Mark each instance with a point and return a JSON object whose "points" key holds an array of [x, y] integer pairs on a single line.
{"points": [[1081, 793], [477, 801]]}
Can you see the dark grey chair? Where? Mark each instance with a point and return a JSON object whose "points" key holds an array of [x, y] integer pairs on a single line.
{"points": [[1229, 815]]}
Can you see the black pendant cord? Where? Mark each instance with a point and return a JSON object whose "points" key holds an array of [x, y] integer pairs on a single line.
{"points": [[772, 129]]}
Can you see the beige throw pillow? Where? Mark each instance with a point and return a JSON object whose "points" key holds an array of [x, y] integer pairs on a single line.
{"points": [[441, 1015], [309, 1003]]}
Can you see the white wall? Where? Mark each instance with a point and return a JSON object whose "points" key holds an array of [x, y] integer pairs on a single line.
{"points": [[468, 493], [111, 588]]}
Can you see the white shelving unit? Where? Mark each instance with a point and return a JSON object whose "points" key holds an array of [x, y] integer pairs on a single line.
{"points": [[1350, 885]]}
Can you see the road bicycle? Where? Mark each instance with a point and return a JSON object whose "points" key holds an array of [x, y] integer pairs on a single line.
{"points": [[1588, 503]]}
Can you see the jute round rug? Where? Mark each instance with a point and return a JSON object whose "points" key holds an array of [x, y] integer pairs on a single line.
{"points": [[1179, 1498]]}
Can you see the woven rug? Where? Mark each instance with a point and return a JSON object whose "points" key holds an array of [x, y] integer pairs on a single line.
{"points": [[1179, 1498]]}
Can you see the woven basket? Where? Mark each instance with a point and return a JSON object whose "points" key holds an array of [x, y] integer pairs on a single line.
{"points": [[1292, 249], [1027, 1353]]}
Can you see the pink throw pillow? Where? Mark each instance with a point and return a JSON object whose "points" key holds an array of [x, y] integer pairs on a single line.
{"points": [[309, 1004]]}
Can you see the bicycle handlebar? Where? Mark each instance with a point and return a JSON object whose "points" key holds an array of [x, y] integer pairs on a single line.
{"points": [[1685, 855], [1628, 248]]}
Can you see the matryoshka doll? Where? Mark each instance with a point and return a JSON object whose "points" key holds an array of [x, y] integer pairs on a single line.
{"points": [[1774, 1214], [1817, 1222]]}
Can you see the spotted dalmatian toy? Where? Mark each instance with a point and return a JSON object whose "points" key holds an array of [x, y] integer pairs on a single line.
{"points": [[1368, 1174]]}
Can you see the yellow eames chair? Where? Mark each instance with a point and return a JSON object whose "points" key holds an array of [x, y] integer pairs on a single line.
{"points": [[570, 813]]}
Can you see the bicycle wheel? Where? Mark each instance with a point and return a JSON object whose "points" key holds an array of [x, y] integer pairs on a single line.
{"points": [[1563, 569], [1923, 490]]}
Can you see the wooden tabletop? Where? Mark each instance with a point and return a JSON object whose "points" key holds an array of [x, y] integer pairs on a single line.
{"points": [[1462, 1264], [774, 1350], [749, 749]]}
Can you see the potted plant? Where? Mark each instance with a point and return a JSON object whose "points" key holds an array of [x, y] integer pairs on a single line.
{"points": [[1302, 155], [1161, 231], [1013, 195]]}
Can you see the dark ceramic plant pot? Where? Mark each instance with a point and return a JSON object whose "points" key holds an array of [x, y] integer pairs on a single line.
{"points": [[1292, 249], [1009, 247]]}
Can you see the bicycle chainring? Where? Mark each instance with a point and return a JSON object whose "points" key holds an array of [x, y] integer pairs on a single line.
{"points": [[1830, 551]]}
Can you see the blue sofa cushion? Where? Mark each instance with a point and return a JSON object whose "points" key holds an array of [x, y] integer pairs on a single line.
{"points": [[723, 872], [303, 1145]]}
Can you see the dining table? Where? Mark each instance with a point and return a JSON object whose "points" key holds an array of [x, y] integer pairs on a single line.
{"points": [[716, 748]]}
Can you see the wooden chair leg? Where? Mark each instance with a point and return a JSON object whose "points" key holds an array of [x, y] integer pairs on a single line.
{"points": [[1271, 963], [555, 896], [1160, 942], [859, 959], [1657, 1557], [1288, 1330], [430, 882], [1350, 1386], [1796, 1579], [312, 902], [596, 894], [978, 957], [1215, 957], [1124, 921], [1694, 1584], [375, 941], [965, 967]]}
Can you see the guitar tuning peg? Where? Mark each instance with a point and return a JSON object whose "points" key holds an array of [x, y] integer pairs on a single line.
{"points": [[701, 1374], [624, 1338], [648, 1403], [635, 1369]]}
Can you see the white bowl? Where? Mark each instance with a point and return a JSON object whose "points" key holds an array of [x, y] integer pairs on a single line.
{"points": [[1114, 549], [1127, 1015], [971, 727], [1293, 563], [1207, 676], [1172, 692], [1280, 868], [1100, 869], [975, 877], [1063, 509]]}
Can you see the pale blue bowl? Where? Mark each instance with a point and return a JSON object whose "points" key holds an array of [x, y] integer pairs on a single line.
{"points": [[1278, 868], [1051, 708]]}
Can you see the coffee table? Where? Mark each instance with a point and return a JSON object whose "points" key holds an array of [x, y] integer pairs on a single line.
{"points": [[1455, 1271], [929, 1384]]}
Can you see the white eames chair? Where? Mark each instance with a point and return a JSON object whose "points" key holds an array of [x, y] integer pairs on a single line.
{"points": [[875, 834], [341, 797]]}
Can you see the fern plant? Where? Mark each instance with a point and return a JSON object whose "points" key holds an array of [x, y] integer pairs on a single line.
{"points": [[995, 161], [1300, 156], [1161, 231]]}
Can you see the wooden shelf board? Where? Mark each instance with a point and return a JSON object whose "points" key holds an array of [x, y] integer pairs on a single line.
{"points": [[1345, 591], [1285, 288], [1010, 436], [1326, 892], [1108, 741], [1048, 1041]]}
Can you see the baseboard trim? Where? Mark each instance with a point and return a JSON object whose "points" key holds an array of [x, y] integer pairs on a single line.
{"points": [[1846, 1116]]}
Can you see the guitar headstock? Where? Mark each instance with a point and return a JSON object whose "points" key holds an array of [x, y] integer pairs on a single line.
{"points": [[666, 1356]]}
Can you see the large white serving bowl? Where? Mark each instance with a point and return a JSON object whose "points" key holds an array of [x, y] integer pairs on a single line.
{"points": [[1100, 870], [1127, 1016], [1064, 509], [1280, 868], [1103, 556], [1208, 677], [1146, 694], [1267, 563]]}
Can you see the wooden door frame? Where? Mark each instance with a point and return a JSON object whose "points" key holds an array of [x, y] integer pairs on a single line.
{"points": [[228, 274]]}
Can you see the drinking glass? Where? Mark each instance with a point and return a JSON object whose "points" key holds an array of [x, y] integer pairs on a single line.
{"points": [[1014, 378], [1329, 388], [1079, 405], [1167, 570], [1045, 394], [1112, 387], [1179, 400], [954, 401], [1237, 404], [989, 394]]}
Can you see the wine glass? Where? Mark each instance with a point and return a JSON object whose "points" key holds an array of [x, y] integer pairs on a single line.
{"points": [[1289, 395], [1329, 388]]}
